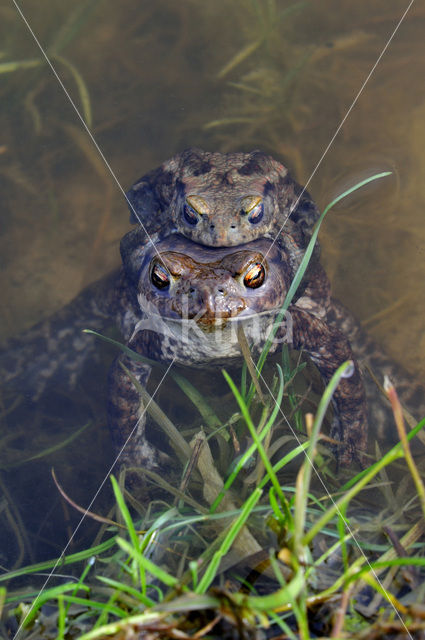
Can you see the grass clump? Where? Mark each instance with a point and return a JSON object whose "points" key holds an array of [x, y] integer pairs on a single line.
{"points": [[300, 553], [231, 553]]}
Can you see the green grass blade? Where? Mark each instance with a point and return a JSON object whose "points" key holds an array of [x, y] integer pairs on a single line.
{"points": [[305, 261], [126, 588], [124, 348], [284, 461], [49, 564], [147, 565], [125, 513], [281, 600], [307, 468], [58, 446], [45, 596], [235, 528], [131, 530], [94, 604], [362, 480], [251, 450], [82, 89], [10, 67], [256, 438], [198, 400]]}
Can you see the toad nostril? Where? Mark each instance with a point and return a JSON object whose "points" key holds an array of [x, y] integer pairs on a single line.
{"points": [[212, 226], [233, 226]]}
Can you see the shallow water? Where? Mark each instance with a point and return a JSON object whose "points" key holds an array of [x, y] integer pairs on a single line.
{"points": [[159, 77]]}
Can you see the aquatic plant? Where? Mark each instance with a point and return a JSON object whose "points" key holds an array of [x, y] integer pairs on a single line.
{"points": [[308, 557]]}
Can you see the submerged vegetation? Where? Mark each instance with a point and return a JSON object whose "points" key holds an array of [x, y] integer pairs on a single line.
{"points": [[214, 557], [250, 544], [298, 561]]}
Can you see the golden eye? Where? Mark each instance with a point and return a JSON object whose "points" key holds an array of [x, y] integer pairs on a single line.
{"points": [[255, 275], [193, 209], [252, 206], [191, 216], [256, 214], [160, 276]]}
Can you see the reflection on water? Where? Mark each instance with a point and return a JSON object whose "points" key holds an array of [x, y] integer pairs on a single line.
{"points": [[156, 78]]}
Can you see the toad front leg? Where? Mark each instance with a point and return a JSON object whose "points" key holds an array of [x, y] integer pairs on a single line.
{"points": [[127, 414], [52, 354], [329, 348]]}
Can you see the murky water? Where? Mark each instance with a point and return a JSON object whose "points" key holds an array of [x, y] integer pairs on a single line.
{"points": [[155, 78]]}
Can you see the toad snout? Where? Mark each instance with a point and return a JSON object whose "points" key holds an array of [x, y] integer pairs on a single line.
{"points": [[207, 300]]}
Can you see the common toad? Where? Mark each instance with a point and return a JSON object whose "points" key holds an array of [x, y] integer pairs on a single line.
{"points": [[224, 200], [179, 301], [224, 251]]}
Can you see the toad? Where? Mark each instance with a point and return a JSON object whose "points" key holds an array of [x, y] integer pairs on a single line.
{"points": [[180, 302], [224, 200]]}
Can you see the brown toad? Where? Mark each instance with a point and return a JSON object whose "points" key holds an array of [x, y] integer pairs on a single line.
{"points": [[184, 302], [224, 200], [181, 302], [178, 299]]}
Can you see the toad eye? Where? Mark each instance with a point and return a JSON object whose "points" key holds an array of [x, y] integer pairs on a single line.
{"points": [[191, 216], [253, 207], [160, 276], [194, 207], [254, 276], [256, 214]]}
